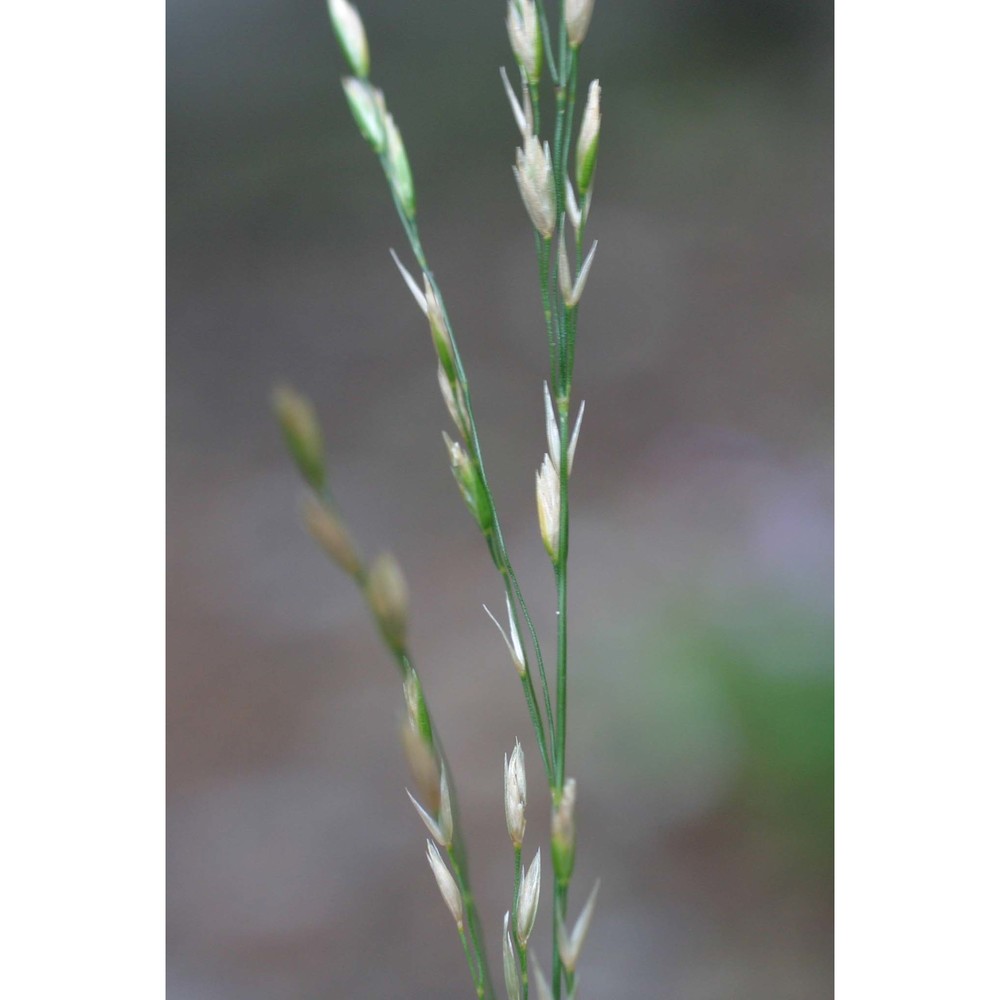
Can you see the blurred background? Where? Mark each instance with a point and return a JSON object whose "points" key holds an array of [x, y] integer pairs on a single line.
{"points": [[701, 698]]}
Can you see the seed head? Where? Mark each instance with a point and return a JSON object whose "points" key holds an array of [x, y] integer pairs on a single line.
{"points": [[366, 106], [533, 173], [511, 976], [578, 14], [527, 902], [564, 834], [547, 497], [525, 36], [571, 944], [586, 146], [329, 531], [351, 34], [515, 794], [303, 436], [388, 596], [446, 883]]}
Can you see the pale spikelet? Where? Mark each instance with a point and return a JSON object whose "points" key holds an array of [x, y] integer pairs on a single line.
{"points": [[302, 433], [586, 146], [547, 498], [578, 13], [423, 766], [533, 173], [331, 534], [525, 36], [351, 34], [435, 831], [454, 399], [572, 291], [542, 986], [416, 706], [446, 822], [564, 833], [439, 330], [552, 432], [572, 208], [523, 115], [511, 976], [398, 168], [411, 283], [515, 794], [446, 883], [570, 944], [527, 903], [514, 646], [389, 598], [366, 105]]}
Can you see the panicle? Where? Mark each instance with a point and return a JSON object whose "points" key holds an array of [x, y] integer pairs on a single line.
{"points": [[511, 976], [570, 944], [303, 436], [351, 34], [564, 834], [547, 498], [578, 14], [514, 640], [533, 173], [367, 107], [388, 596], [586, 146], [527, 902], [332, 535], [525, 36], [515, 794], [446, 883]]}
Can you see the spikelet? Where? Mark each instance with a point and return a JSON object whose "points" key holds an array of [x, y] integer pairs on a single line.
{"points": [[586, 146], [446, 883], [578, 13], [351, 33], [332, 535], [515, 794], [564, 834], [527, 903], [547, 497], [533, 173], [514, 646], [570, 944], [388, 596], [303, 436], [525, 36]]}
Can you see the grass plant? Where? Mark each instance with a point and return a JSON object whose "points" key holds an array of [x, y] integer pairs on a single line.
{"points": [[558, 205]]}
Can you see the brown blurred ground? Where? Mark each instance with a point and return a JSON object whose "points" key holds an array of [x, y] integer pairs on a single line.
{"points": [[701, 704]]}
